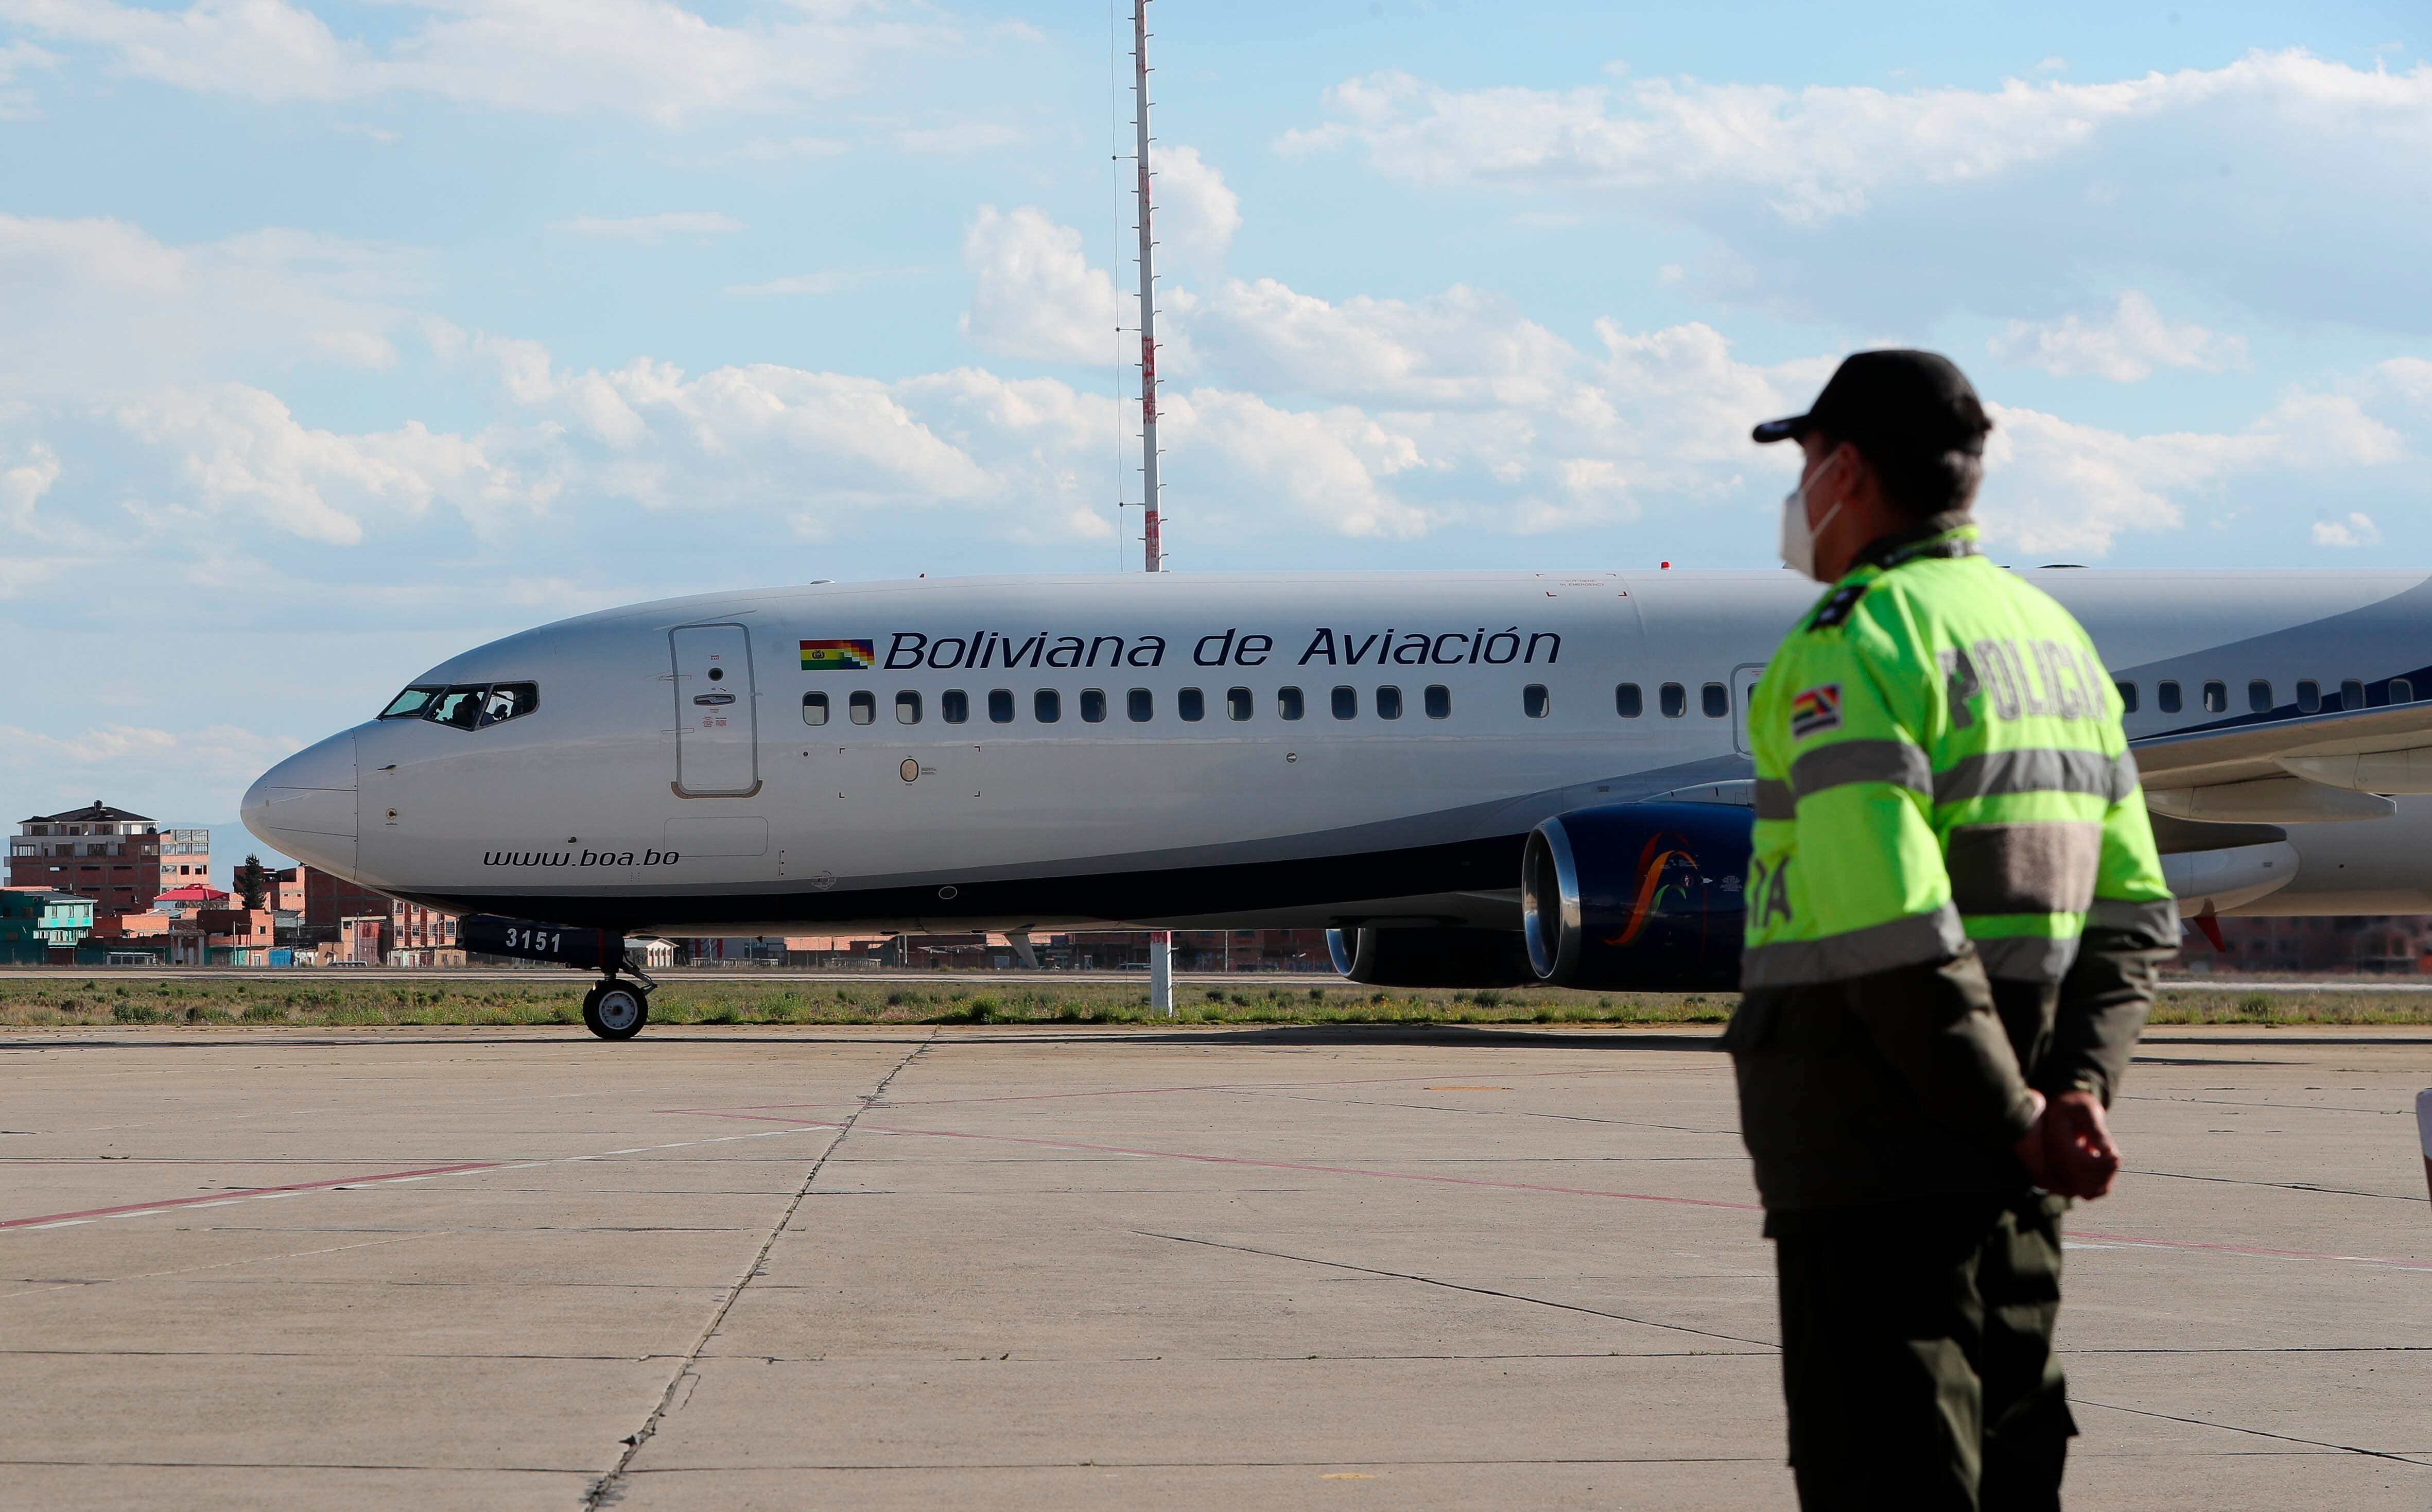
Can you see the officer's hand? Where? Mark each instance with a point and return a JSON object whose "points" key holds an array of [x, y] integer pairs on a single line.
{"points": [[2080, 1155], [2033, 1147]]}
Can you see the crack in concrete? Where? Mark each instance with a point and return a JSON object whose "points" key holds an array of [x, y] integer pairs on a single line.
{"points": [[2259, 1432], [1763, 1344], [610, 1487]]}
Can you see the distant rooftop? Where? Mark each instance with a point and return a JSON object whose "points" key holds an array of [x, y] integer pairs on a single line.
{"points": [[191, 892], [99, 813]]}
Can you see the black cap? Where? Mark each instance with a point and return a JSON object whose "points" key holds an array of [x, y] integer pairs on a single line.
{"points": [[1913, 401]]}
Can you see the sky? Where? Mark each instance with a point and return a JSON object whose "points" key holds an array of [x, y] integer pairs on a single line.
{"points": [[336, 338]]}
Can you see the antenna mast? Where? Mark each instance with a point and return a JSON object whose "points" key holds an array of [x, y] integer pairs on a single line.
{"points": [[1153, 533]]}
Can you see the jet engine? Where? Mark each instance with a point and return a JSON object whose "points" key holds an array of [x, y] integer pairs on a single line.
{"points": [[1430, 957], [1638, 896]]}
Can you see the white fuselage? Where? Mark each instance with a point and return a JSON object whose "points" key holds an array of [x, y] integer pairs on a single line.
{"points": [[642, 790]]}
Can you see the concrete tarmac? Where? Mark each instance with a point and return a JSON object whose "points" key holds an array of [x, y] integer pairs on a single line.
{"points": [[743, 1267]]}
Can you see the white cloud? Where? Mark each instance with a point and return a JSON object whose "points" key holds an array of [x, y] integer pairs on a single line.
{"points": [[22, 485], [826, 281], [2055, 484], [651, 228], [1196, 212], [647, 58], [1458, 349], [2125, 348], [1034, 294], [1884, 207], [96, 307], [957, 139], [1329, 465], [2358, 530], [244, 453], [789, 149], [70, 769]]}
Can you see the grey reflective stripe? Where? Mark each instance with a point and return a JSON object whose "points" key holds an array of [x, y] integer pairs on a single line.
{"points": [[2028, 957], [1912, 941], [2123, 775], [2156, 923], [1895, 762], [1774, 799], [1999, 772], [2041, 868]]}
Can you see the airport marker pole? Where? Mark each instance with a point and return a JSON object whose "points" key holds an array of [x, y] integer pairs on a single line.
{"points": [[1160, 942]]}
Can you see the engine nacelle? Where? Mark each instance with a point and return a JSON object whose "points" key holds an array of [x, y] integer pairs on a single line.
{"points": [[1447, 957], [1638, 896]]}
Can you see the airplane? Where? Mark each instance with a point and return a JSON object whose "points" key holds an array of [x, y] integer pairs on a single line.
{"points": [[1471, 778]]}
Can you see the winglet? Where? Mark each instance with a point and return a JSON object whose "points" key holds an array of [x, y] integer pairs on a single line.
{"points": [[2209, 922]]}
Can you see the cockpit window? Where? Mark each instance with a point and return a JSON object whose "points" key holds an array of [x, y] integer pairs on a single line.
{"points": [[509, 700], [457, 707], [481, 705], [410, 703]]}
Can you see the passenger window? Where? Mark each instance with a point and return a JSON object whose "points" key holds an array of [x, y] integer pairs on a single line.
{"points": [[408, 704], [2401, 691], [2165, 696], [1439, 701], [954, 706], [509, 700], [908, 708], [1534, 701], [2309, 697], [863, 707], [815, 708], [1000, 706], [2258, 697], [1716, 701], [1627, 701], [1675, 701], [2351, 695], [2128, 696], [458, 708], [2216, 697], [1047, 706], [1093, 706], [1346, 703], [1190, 704], [1288, 703], [1389, 703], [1237, 704], [1139, 706]]}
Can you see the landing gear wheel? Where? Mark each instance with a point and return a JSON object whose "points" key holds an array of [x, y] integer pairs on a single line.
{"points": [[615, 1010]]}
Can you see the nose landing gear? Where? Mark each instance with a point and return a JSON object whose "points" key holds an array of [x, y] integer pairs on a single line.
{"points": [[616, 1010]]}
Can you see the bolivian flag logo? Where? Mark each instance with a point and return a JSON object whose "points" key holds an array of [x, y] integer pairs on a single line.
{"points": [[832, 656]]}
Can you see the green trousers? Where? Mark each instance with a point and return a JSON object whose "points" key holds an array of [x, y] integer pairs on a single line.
{"points": [[1917, 1355]]}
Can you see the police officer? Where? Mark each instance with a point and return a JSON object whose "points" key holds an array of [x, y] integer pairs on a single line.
{"points": [[1955, 916]]}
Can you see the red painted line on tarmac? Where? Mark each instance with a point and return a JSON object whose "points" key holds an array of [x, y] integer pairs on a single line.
{"points": [[239, 1194]]}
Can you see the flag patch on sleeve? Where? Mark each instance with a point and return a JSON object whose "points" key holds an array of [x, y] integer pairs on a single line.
{"points": [[1814, 711]]}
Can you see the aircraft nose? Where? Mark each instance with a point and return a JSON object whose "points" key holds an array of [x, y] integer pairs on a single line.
{"points": [[305, 806]]}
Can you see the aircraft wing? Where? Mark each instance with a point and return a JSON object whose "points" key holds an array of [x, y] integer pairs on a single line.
{"points": [[2310, 769]]}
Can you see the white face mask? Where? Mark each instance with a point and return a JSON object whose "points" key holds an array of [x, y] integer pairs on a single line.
{"points": [[1797, 538]]}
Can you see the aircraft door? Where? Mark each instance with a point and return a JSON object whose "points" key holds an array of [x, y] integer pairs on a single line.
{"points": [[717, 739], [1744, 677]]}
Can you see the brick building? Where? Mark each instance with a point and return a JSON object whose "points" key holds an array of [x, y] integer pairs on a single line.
{"points": [[2334, 943], [419, 936], [122, 861]]}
